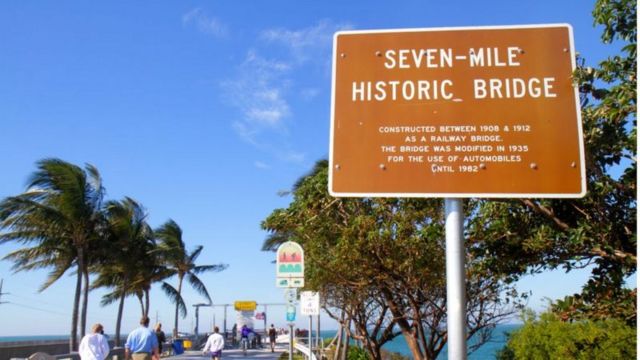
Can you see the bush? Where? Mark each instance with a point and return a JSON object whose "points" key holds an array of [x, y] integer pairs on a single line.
{"points": [[356, 353], [296, 356], [551, 338]]}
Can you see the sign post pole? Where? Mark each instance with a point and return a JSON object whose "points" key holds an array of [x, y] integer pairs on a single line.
{"points": [[456, 293], [309, 336], [290, 341]]}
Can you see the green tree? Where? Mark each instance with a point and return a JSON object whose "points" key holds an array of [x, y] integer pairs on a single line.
{"points": [[599, 230], [381, 262], [59, 219], [181, 263], [126, 258]]}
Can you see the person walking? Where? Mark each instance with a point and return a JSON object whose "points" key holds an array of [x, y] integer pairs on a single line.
{"points": [[234, 334], [244, 338], [214, 345], [272, 337], [142, 343], [160, 336], [94, 346]]}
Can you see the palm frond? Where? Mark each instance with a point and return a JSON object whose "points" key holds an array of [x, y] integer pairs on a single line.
{"points": [[275, 239], [110, 298], [198, 286], [57, 272], [170, 233], [205, 268], [175, 298], [319, 166], [194, 255]]}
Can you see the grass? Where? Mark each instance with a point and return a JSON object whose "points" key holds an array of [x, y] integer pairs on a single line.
{"points": [[285, 356]]}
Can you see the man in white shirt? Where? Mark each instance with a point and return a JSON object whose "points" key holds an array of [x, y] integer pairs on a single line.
{"points": [[214, 345], [94, 346]]}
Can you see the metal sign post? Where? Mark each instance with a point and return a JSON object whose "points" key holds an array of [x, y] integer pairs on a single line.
{"points": [[456, 293], [290, 341], [309, 336]]}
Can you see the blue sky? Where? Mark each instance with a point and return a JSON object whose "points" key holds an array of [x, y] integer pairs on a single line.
{"points": [[203, 111]]}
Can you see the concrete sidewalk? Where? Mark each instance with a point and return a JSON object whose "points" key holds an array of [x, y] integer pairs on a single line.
{"points": [[262, 354]]}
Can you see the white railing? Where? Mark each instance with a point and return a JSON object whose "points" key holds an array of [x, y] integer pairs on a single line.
{"points": [[305, 350]]}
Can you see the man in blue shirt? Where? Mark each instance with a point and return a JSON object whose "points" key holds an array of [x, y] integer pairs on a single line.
{"points": [[142, 343]]}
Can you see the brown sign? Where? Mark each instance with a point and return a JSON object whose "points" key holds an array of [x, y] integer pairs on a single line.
{"points": [[456, 112]]}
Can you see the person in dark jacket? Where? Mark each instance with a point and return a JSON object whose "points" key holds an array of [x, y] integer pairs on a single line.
{"points": [[161, 337], [272, 337]]}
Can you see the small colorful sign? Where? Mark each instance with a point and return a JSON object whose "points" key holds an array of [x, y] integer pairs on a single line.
{"points": [[290, 265]]}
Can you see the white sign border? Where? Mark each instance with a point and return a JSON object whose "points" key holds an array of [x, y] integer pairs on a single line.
{"points": [[583, 177]]}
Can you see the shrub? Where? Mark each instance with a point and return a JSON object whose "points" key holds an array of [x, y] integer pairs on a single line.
{"points": [[551, 338], [356, 353]]}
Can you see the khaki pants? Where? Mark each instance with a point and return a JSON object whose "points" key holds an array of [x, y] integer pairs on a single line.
{"points": [[141, 356]]}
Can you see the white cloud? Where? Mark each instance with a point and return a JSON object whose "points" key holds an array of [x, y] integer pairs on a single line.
{"points": [[247, 134], [258, 92], [308, 43], [262, 166], [309, 93], [271, 116], [264, 88], [293, 157], [205, 23]]}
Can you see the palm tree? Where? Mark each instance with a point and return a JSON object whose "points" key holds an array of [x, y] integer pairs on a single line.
{"points": [[180, 262], [126, 258], [59, 217]]}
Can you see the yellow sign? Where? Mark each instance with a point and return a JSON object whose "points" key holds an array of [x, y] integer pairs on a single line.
{"points": [[245, 305], [456, 112]]}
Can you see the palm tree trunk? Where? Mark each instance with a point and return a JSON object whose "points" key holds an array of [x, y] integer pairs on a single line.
{"points": [[120, 310], [175, 324], [85, 300], [147, 302], [139, 295], [73, 339]]}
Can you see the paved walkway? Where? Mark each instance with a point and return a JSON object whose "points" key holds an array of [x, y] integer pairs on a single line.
{"points": [[252, 354]]}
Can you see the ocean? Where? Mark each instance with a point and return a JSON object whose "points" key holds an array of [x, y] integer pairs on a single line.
{"points": [[398, 345], [485, 352], [33, 338]]}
